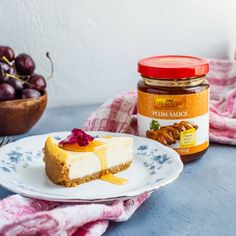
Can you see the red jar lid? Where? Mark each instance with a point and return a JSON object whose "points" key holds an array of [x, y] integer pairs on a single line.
{"points": [[173, 67]]}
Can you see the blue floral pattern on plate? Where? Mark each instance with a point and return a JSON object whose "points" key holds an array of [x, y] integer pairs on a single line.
{"points": [[18, 157]]}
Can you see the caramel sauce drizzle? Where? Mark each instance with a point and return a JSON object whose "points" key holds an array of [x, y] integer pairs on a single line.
{"points": [[100, 149]]}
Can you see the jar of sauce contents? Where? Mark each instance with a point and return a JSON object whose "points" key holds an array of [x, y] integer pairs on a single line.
{"points": [[173, 103]]}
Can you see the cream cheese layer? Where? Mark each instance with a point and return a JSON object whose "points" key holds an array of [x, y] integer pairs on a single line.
{"points": [[111, 152]]}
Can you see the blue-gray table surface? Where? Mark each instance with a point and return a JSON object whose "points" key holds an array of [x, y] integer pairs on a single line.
{"points": [[202, 201]]}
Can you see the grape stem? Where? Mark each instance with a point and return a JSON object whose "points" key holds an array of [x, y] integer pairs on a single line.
{"points": [[16, 77], [6, 60], [52, 67]]}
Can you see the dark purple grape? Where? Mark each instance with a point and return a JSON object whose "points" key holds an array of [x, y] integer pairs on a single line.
{"points": [[37, 82], [7, 92], [7, 52], [16, 84], [30, 93], [24, 64]]}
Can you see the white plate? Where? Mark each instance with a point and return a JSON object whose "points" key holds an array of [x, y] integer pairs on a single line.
{"points": [[22, 171]]}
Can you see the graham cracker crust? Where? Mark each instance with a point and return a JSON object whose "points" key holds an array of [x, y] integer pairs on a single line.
{"points": [[58, 172]]}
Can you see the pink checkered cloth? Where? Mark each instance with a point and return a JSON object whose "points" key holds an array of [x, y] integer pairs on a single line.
{"points": [[24, 216], [222, 79]]}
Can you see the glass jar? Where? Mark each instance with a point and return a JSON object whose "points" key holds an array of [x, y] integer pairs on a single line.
{"points": [[173, 103]]}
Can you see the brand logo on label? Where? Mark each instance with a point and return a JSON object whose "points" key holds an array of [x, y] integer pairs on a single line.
{"points": [[170, 103]]}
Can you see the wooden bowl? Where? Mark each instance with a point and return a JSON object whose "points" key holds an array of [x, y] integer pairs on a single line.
{"points": [[19, 116]]}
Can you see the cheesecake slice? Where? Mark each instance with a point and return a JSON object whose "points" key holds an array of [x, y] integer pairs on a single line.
{"points": [[73, 164]]}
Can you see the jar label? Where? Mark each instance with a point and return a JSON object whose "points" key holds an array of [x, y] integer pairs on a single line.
{"points": [[178, 121]]}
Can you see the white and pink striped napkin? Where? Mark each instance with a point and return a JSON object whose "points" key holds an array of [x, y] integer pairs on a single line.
{"points": [[222, 79], [24, 216]]}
